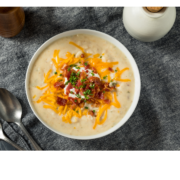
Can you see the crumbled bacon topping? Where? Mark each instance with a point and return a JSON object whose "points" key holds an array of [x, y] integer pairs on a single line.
{"points": [[91, 88], [61, 101], [91, 113], [59, 84], [110, 69]]}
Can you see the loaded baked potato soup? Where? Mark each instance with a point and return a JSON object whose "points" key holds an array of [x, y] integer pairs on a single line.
{"points": [[81, 85]]}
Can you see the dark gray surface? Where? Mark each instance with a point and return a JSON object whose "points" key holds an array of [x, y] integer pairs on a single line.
{"points": [[155, 124]]}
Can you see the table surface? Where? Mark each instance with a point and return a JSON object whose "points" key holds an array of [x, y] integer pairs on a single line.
{"points": [[155, 124]]}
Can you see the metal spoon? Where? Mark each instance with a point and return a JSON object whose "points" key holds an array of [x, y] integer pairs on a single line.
{"points": [[11, 111], [3, 137]]}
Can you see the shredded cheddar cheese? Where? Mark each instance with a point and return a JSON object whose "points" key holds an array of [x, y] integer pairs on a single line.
{"points": [[50, 93]]}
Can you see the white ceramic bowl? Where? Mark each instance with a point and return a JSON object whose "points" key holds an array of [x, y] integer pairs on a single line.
{"points": [[107, 38]]}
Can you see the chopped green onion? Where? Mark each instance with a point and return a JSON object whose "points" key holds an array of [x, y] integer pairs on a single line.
{"points": [[77, 111], [78, 95], [55, 72], [105, 77], [100, 56], [77, 67], [85, 63], [86, 107], [93, 111], [69, 69], [116, 70]]}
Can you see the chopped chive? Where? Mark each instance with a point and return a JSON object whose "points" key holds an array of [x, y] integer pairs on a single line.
{"points": [[92, 74], [77, 67], [116, 70], [60, 75], [105, 77], [78, 73], [86, 107], [55, 72], [85, 63], [103, 91], [77, 111], [100, 56], [75, 100], [93, 111], [69, 69]]}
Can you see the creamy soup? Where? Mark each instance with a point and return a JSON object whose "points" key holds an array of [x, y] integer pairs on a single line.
{"points": [[108, 53]]}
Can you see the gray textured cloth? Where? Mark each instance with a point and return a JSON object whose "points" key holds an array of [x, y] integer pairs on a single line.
{"points": [[155, 124]]}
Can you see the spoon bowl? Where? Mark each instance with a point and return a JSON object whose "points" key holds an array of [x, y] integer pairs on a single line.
{"points": [[11, 111], [10, 108]]}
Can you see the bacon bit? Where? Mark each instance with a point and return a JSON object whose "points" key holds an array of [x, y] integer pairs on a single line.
{"points": [[94, 69], [82, 75], [107, 101], [68, 88], [87, 87], [91, 113], [73, 100], [82, 55], [59, 84], [61, 101], [79, 83], [96, 104], [81, 105], [73, 106], [86, 65], [96, 80], [107, 88], [110, 69], [87, 71], [66, 73], [101, 95], [81, 91], [77, 91]]}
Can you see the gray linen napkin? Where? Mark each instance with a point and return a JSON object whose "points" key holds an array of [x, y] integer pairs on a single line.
{"points": [[155, 124]]}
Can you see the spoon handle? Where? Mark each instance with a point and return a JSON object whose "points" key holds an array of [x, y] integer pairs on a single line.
{"points": [[10, 142], [36, 147]]}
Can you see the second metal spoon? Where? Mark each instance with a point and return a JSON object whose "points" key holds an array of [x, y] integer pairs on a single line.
{"points": [[11, 111]]}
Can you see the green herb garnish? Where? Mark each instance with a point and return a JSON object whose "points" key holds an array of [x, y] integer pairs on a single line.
{"points": [[77, 67], [60, 75], [105, 77], [85, 63], [93, 111], [92, 86], [86, 107], [69, 69], [92, 74], [55, 72], [77, 111], [75, 100], [100, 56], [66, 82], [78, 96], [116, 70]]}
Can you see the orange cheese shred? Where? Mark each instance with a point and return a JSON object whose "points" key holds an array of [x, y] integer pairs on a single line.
{"points": [[77, 46]]}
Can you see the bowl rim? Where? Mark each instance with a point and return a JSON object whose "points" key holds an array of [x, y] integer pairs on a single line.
{"points": [[113, 41]]}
